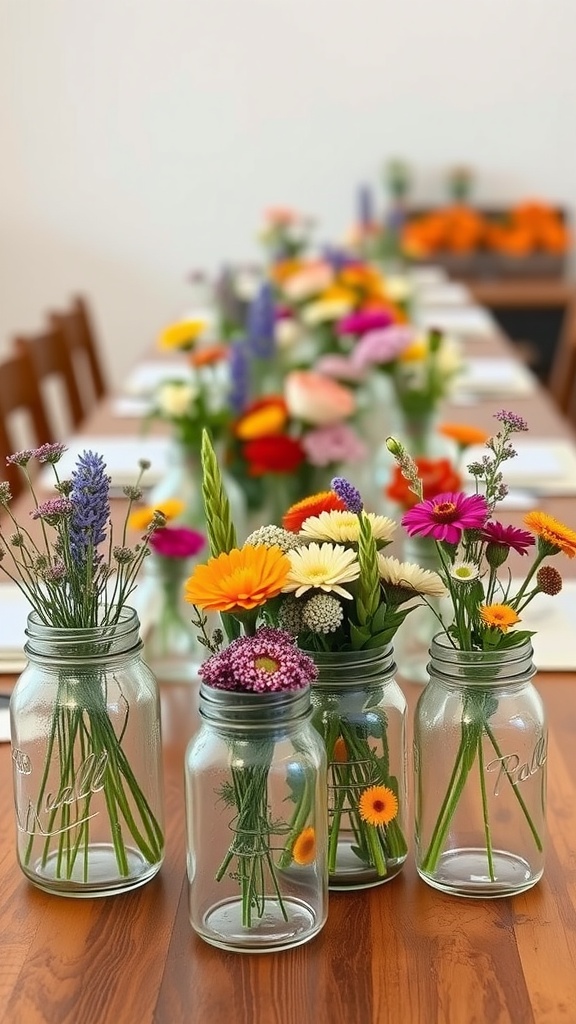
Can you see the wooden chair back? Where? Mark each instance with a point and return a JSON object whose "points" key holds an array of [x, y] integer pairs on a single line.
{"points": [[19, 391], [77, 328], [49, 356], [562, 379]]}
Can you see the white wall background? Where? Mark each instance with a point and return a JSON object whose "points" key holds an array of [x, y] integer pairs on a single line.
{"points": [[142, 138]]}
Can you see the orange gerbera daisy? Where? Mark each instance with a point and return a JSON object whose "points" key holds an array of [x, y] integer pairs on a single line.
{"points": [[241, 578], [340, 751], [463, 434], [378, 805], [498, 616], [304, 849], [552, 533], [141, 518], [324, 501], [208, 355], [266, 417]]}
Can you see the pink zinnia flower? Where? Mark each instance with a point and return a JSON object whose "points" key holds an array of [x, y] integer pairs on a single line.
{"points": [[361, 322], [340, 367], [446, 516], [177, 542], [508, 536], [267, 662], [337, 443], [381, 347]]}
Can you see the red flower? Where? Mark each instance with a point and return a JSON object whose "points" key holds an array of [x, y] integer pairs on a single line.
{"points": [[437, 476], [276, 454]]}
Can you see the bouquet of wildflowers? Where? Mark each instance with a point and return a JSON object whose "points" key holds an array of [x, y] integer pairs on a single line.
{"points": [[242, 585], [473, 550], [76, 577]]}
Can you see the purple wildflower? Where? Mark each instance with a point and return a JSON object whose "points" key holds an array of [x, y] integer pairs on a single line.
{"points": [[20, 458], [55, 573], [261, 323], [511, 420], [53, 510], [239, 364], [51, 453], [338, 259], [347, 493], [90, 497], [365, 206], [268, 662]]}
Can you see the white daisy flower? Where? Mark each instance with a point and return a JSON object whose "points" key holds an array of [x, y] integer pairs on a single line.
{"points": [[410, 577], [324, 310], [344, 527], [464, 572], [322, 567]]}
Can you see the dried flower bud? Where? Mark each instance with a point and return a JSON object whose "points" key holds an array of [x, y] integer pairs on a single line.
{"points": [[5, 495], [496, 554], [144, 464], [64, 487], [123, 555], [549, 580], [133, 493], [17, 540]]}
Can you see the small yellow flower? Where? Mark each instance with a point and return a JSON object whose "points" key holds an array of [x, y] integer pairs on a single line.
{"points": [[183, 334], [498, 616], [378, 805], [141, 518], [415, 353], [304, 849]]}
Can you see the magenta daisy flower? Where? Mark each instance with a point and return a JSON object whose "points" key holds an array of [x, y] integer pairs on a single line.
{"points": [[267, 662], [177, 542], [508, 536], [446, 516]]}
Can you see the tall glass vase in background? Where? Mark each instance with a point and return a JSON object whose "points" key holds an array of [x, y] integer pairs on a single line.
{"points": [[480, 750], [172, 649], [184, 481], [87, 760], [414, 636], [360, 712]]}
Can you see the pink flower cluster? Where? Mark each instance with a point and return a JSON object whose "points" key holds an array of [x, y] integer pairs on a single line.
{"points": [[268, 662], [333, 444]]}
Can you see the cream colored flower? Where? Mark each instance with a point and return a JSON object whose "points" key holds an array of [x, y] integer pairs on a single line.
{"points": [[343, 527], [322, 567], [287, 333], [309, 281], [325, 310], [176, 398], [398, 288], [410, 576], [464, 572]]}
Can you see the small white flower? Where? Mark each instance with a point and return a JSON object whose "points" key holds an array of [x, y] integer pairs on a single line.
{"points": [[410, 577], [247, 284], [176, 398], [287, 333], [464, 572]]}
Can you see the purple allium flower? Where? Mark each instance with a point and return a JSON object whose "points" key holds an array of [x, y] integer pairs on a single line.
{"points": [[90, 497], [53, 510], [365, 206], [365, 321], [511, 420], [337, 442], [268, 662], [446, 516], [20, 458], [382, 347], [347, 493], [508, 536], [51, 453], [261, 323], [177, 542], [239, 364]]}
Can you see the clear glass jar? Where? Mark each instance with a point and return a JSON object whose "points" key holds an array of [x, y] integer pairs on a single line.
{"points": [[480, 748], [256, 821], [87, 760], [172, 649], [183, 480], [413, 639], [360, 712]]}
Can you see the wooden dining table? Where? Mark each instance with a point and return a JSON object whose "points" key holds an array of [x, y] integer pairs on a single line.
{"points": [[398, 953]]}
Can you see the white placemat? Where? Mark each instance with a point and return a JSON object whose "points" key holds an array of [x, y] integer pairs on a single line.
{"points": [[493, 377], [121, 455], [471, 321], [441, 294], [543, 466], [554, 619], [145, 377], [126, 407], [428, 274]]}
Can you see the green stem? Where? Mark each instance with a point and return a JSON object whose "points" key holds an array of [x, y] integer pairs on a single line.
{"points": [[485, 811], [515, 790]]}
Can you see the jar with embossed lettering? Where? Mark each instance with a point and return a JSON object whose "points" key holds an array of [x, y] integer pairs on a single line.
{"points": [[480, 748], [87, 759]]}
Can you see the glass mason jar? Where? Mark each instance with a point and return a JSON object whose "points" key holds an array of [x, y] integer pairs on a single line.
{"points": [[256, 821], [360, 712], [413, 639], [86, 754], [480, 748], [172, 649], [183, 480]]}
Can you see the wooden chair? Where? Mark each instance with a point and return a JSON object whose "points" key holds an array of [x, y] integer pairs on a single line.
{"points": [[77, 329], [562, 379], [19, 392], [49, 357]]}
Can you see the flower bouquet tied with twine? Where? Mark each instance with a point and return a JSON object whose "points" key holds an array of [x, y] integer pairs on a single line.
{"points": [[486, 608], [77, 578]]}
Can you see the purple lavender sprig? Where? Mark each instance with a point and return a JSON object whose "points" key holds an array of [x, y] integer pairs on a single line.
{"points": [[262, 322], [90, 496], [347, 493]]}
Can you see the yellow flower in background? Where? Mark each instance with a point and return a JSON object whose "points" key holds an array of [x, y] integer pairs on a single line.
{"points": [[415, 353], [378, 805], [498, 616], [141, 518], [268, 419], [241, 578], [182, 335]]}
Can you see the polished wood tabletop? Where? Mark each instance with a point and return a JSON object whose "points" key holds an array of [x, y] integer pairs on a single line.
{"points": [[399, 953]]}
